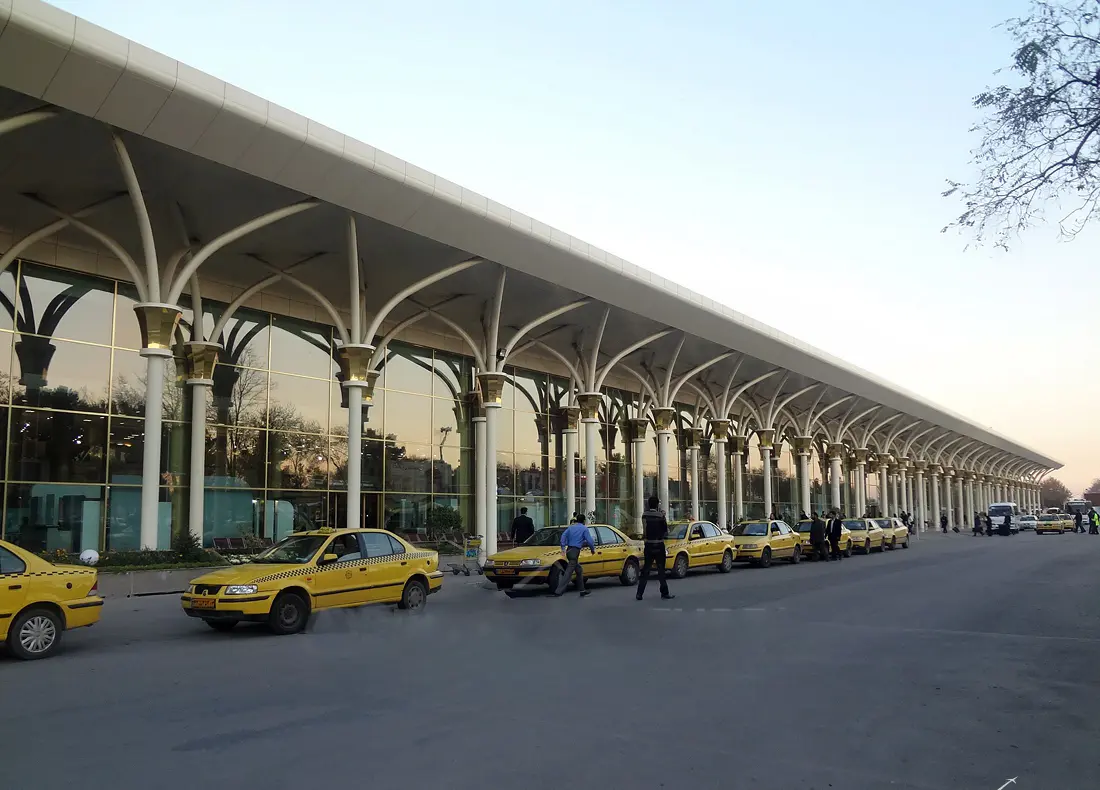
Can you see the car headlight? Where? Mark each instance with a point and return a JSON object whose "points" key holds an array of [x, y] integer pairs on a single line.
{"points": [[489, 564], [241, 589], [668, 552], [531, 563]]}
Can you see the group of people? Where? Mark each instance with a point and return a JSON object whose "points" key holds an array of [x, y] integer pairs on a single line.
{"points": [[1093, 521], [984, 525], [825, 537]]}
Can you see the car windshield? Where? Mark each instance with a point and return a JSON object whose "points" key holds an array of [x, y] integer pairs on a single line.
{"points": [[1000, 510], [1048, 517], [855, 524], [885, 523], [296, 548], [678, 531], [755, 529], [547, 536], [804, 526]]}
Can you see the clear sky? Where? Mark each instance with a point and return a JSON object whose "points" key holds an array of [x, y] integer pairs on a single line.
{"points": [[786, 158]]}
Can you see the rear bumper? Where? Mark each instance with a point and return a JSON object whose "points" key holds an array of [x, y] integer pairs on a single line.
{"points": [[83, 612]]}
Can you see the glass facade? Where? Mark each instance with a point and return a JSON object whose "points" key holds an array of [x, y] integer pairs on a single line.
{"points": [[72, 405]]}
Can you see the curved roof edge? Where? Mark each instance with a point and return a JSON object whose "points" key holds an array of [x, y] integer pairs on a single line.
{"points": [[52, 55]]}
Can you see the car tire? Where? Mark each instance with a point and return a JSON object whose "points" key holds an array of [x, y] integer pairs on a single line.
{"points": [[765, 557], [414, 597], [796, 555], [221, 625], [867, 547], [35, 633], [726, 565], [630, 573], [848, 549], [680, 566], [893, 544], [553, 579], [289, 614], [905, 543]]}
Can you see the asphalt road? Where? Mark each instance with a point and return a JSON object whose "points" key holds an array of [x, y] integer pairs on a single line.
{"points": [[960, 663]]}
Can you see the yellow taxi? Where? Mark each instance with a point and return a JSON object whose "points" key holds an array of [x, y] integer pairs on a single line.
{"points": [[40, 600], [761, 541], [867, 535], [1049, 522], [540, 560], [698, 544], [803, 529], [894, 532], [311, 571]]}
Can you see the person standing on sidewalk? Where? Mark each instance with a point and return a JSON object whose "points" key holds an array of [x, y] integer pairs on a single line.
{"points": [[836, 532], [817, 538], [573, 539], [655, 530]]}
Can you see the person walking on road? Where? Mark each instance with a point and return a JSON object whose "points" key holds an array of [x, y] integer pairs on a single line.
{"points": [[817, 538], [836, 531], [977, 525], [1094, 519], [1077, 522], [656, 529], [522, 527], [573, 539], [943, 523]]}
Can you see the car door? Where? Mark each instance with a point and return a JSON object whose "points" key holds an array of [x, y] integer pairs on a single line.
{"points": [[697, 546], [612, 550], [13, 587], [789, 537], [593, 564], [335, 579], [385, 568], [775, 540], [715, 544]]}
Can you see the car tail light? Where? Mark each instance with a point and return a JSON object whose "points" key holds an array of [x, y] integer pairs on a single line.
{"points": [[95, 588]]}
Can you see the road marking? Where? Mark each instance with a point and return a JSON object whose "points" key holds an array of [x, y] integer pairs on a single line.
{"points": [[1011, 781]]}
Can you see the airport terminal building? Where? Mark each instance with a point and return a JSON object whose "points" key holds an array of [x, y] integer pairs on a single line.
{"points": [[220, 316]]}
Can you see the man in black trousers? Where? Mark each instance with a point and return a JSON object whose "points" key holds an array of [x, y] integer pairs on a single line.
{"points": [[656, 528], [817, 538], [836, 531]]}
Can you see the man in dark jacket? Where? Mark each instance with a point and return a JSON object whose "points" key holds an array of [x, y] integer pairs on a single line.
{"points": [[836, 531], [817, 538], [522, 527], [1077, 522], [655, 529]]}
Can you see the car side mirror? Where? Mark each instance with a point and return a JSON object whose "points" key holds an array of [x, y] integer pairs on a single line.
{"points": [[325, 560]]}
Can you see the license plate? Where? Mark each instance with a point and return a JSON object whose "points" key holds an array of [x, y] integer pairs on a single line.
{"points": [[203, 603], [506, 571]]}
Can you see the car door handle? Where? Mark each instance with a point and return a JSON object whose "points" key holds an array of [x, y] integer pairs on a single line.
{"points": [[15, 587], [362, 568], [404, 562]]}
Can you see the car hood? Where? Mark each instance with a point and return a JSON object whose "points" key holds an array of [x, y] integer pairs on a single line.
{"points": [[525, 553], [741, 540], [246, 573]]}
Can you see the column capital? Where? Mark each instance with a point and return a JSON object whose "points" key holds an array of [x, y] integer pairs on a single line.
{"points": [[636, 428], [491, 388], [948, 471], [157, 324], [837, 450], [572, 416], [803, 445], [904, 462], [662, 418], [719, 430], [921, 465], [738, 445], [354, 361], [935, 469], [691, 437], [861, 454], [589, 403], [201, 358], [766, 437]]}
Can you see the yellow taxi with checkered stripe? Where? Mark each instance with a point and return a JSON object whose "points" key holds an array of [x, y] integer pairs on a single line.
{"points": [[845, 541], [698, 544], [1049, 522], [759, 541], [894, 533], [540, 560], [311, 571], [39, 601], [867, 535]]}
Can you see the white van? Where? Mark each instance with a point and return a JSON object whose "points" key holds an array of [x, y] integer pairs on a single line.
{"points": [[999, 510]]}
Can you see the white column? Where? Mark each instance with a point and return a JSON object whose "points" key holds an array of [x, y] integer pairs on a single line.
{"points": [[197, 477], [638, 443], [590, 440], [766, 458], [570, 435], [884, 492], [922, 502], [720, 461], [834, 478], [972, 506], [935, 501], [481, 467], [861, 484], [355, 455], [150, 461], [662, 471], [738, 459], [804, 480], [961, 522], [693, 456], [492, 411], [947, 501], [894, 499], [903, 474]]}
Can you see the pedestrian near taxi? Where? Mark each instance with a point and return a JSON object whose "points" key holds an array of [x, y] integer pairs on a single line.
{"points": [[817, 538], [573, 539], [836, 531], [656, 530]]}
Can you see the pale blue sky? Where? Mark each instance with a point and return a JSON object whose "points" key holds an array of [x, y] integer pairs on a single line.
{"points": [[786, 158]]}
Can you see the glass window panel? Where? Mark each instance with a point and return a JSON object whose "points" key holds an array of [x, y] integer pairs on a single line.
{"points": [[613, 442], [408, 467], [451, 423], [60, 303], [409, 369], [298, 404], [128, 387], [452, 375], [301, 347], [231, 512], [57, 446], [61, 375], [558, 393], [285, 512], [530, 391], [408, 418], [127, 334], [463, 505], [298, 460], [506, 474], [532, 475], [452, 470], [235, 457], [52, 517], [6, 378], [238, 397], [7, 298], [244, 340], [404, 514], [531, 433]]}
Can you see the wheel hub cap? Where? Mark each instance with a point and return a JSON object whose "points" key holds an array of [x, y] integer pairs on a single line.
{"points": [[37, 634]]}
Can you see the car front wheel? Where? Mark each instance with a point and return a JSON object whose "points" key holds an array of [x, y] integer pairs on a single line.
{"points": [[680, 567], [727, 562], [765, 558], [289, 614], [796, 555], [629, 576]]}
